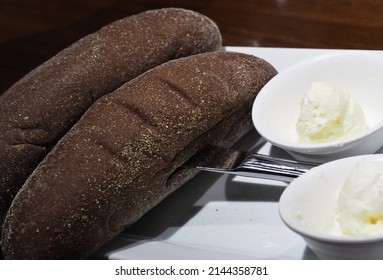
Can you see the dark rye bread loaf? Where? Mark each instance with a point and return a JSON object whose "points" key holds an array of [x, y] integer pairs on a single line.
{"points": [[40, 108], [125, 154]]}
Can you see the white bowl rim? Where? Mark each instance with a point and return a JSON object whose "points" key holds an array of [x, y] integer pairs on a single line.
{"points": [[330, 147], [313, 148], [307, 232], [328, 238]]}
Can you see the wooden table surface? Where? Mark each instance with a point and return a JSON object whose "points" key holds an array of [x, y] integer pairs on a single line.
{"points": [[33, 31]]}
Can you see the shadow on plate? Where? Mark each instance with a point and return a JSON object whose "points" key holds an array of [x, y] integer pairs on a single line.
{"points": [[175, 211]]}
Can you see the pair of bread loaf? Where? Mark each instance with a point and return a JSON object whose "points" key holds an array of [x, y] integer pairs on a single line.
{"points": [[125, 154], [38, 110]]}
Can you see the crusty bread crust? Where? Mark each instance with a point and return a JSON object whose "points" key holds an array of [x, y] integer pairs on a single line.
{"points": [[125, 154], [38, 110]]}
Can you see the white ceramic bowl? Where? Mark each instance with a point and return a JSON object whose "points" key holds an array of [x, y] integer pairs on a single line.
{"points": [[277, 106], [308, 206]]}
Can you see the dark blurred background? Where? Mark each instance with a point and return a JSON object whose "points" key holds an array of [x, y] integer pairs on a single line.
{"points": [[33, 31]]}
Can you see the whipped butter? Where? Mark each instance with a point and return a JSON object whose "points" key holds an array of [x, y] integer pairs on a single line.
{"points": [[360, 200], [328, 114]]}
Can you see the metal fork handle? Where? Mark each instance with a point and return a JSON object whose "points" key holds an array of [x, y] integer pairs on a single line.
{"points": [[266, 167]]}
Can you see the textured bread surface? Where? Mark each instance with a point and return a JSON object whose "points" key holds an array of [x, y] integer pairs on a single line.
{"points": [[125, 154], [38, 110]]}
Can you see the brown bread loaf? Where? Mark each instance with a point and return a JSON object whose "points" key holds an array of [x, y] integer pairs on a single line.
{"points": [[125, 154], [40, 108]]}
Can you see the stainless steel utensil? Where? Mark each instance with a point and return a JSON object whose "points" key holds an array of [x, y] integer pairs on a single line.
{"points": [[222, 160]]}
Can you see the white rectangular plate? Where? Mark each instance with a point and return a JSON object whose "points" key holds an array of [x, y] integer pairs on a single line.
{"points": [[220, 216]]}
